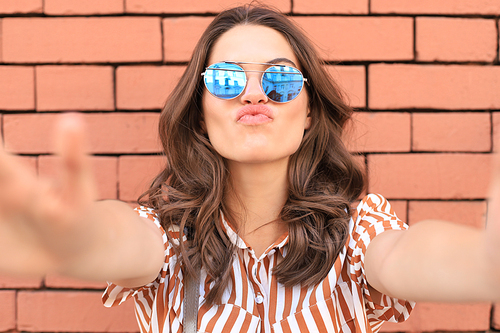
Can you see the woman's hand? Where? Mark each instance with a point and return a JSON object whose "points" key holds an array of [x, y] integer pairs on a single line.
{"points": [[55, 225], [41, 220], [492, 234]]}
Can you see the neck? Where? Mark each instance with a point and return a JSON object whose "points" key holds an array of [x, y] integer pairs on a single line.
{"points": [[257, 195]]}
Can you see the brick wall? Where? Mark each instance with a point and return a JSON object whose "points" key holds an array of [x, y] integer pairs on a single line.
{"points": [[424, 76]]}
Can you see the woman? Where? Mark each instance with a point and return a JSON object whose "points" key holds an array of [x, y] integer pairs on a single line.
{"points": [[260, 192]]}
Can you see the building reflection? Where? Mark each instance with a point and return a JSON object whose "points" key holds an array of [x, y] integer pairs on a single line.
{"points": [[279, 83]]}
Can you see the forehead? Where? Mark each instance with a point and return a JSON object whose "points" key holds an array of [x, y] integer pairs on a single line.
{"points": [[252, 43]]}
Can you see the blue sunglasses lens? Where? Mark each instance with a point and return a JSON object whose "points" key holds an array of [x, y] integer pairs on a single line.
{"points": [[227, 80], [282, 83]]}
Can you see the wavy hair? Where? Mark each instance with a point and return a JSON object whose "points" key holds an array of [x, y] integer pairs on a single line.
{"points": [[323, 177]]}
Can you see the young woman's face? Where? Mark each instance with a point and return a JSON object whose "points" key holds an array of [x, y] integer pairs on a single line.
{"points": [[268, 131]]}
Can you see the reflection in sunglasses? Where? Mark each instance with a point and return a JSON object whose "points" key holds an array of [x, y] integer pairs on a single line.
{"points": [[228, 80]]}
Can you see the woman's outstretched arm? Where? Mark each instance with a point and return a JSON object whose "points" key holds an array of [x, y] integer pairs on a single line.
{"points": [[57, 226], [438, 260]]}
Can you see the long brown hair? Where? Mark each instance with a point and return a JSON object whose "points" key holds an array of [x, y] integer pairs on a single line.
{"points": [[322, 175]]}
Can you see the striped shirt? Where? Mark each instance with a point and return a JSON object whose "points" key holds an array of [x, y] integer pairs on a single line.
{"points": [[255, 302]]}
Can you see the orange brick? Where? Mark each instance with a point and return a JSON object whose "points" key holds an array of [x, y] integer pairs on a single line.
{"points": [[28, 133], [57, 281], [379, 132], [193, 6], [451, 132], [121, 39], [54, 311], [74, 88], [361, 160], [107, 133], [7, 310], [455, 39], [123, 133], [433, 86], [453, 7], [135, 174], [145, 87], [470, 213], [361, 38], [495, 320], [87, 7], [104, 168], [431, 317], [11, 282], [330, 7], [352, 80], [17, 87], [180, 35], [20, 6], [430, 176], [400, 207]]}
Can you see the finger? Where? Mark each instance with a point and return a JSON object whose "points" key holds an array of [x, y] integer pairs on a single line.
{"points": [[11, 165], [70, 141], [4, 160], [494, 196], [16, 181], [3, 154], [76, 173]]}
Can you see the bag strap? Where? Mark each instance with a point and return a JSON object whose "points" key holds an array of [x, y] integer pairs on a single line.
{"points": [[191, 301]]}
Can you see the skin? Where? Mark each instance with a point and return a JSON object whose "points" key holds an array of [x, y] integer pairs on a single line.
{"points": [[56, 226], [270, 142], [46, 228], [257, 155]]}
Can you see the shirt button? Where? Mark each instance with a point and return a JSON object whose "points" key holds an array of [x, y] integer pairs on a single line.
{"points": [[259, 299]]}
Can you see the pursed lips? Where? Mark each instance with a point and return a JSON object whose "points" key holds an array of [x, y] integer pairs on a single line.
{"points": [[254, 115]]}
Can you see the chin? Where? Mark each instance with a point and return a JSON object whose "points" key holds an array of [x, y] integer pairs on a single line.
{"points": [[258, 154], [259, 157]]}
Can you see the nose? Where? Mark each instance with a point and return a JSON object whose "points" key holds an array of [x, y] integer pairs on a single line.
{"points": [[253, 93]]}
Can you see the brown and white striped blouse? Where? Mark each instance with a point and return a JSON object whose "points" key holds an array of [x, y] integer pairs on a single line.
{"points": [[256, 302]]}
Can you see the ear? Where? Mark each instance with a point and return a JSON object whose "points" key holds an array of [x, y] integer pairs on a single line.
{"points": [[203, 126], [308, 123], [308, 120]]}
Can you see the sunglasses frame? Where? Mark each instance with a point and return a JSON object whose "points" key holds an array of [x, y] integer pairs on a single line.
{"points": [[254, 71]]}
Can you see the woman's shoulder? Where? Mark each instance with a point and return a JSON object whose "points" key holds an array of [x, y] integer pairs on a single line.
{"points": [[373, 215], [373, 202], [152, 215]]}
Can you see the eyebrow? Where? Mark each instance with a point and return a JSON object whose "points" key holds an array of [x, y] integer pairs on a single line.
{"points": [[270, 62], [279, 60]]}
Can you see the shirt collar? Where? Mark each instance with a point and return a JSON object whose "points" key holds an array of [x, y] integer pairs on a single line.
{"points": [[240, 243], [232, 234]]}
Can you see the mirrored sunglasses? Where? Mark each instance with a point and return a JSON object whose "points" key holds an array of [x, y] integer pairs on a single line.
{"points": [[227, 80]]}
